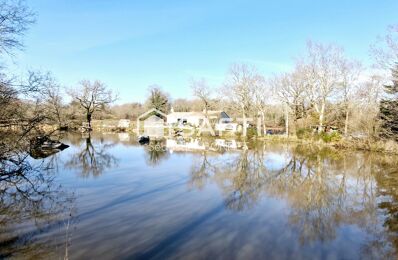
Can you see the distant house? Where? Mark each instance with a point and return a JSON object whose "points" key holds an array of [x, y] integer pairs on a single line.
{"points": [[196, 118]]}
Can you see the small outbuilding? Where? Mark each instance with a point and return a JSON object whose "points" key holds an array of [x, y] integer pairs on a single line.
{"points": [[154, 123]]}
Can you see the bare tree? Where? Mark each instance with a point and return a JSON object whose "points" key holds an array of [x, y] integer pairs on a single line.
{"points": [[93, 97], [385, 50], [239, 89], [50, 97], [201, 90], [262, 99], [349, 72], [322, 75], [367, 100], [15, 19], [282, 87], [54, 102], [290, 89]]}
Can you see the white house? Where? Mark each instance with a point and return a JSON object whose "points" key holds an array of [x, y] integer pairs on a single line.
{"points": [[182, 118], [226, 125], [196, 118]]}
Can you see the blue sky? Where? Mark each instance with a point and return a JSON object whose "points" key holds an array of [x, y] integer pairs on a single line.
{"points": [[130, 45]]}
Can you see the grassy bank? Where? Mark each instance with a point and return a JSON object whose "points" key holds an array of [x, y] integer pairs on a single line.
{"points": [[382, 146]]}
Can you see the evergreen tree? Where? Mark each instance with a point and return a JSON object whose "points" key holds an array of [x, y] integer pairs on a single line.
{"points": [[157, 99], [389, 108]]}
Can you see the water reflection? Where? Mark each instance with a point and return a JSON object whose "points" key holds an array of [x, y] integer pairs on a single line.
{"points": [[208, 198], [31, 202], [155, 152], [92, 159], [324, 189]]}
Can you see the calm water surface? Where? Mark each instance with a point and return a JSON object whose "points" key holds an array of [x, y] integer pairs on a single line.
{"points": [[108, 197]]}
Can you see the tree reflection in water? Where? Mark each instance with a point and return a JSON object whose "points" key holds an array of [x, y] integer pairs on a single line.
{"points": [[325, 190], [92, 159], [201, 170], [155, 152], [30, 202]]}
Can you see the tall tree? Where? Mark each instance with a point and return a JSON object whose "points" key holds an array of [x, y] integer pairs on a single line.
{"points": [[239, 89], [349, 74], [201, 90], [366, 118], [389, 107], [157, 99], [15, 19], [290, 89], [262, 101], [51, 98], [93, 97], [322, 76]]}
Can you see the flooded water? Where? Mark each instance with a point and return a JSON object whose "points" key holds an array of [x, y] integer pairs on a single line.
{"points": [[107, 197]]}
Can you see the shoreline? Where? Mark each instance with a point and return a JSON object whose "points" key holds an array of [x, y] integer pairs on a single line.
{"points": [[386, 147]]}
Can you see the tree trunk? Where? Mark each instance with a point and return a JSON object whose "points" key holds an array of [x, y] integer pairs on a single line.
{"points": [[89, 119], [244, 125], [59, 120], [287, 120], [346, 123], [259, 124], [263, 120], [321, 117]]}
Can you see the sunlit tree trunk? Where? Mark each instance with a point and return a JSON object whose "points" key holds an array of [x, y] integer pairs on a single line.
{"points": [[321, 117], [287, 120], [346, 122]]}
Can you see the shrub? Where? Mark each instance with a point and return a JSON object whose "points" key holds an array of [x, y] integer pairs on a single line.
{"points": [[303, 133], [251, 132], [330, 137]]}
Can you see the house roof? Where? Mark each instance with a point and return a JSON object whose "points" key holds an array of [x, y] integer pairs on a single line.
{"points": [[154, 118], [152, 111]]}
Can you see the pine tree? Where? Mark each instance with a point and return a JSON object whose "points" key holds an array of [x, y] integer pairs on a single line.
{"points": [[389, 107], [157, 99]]}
